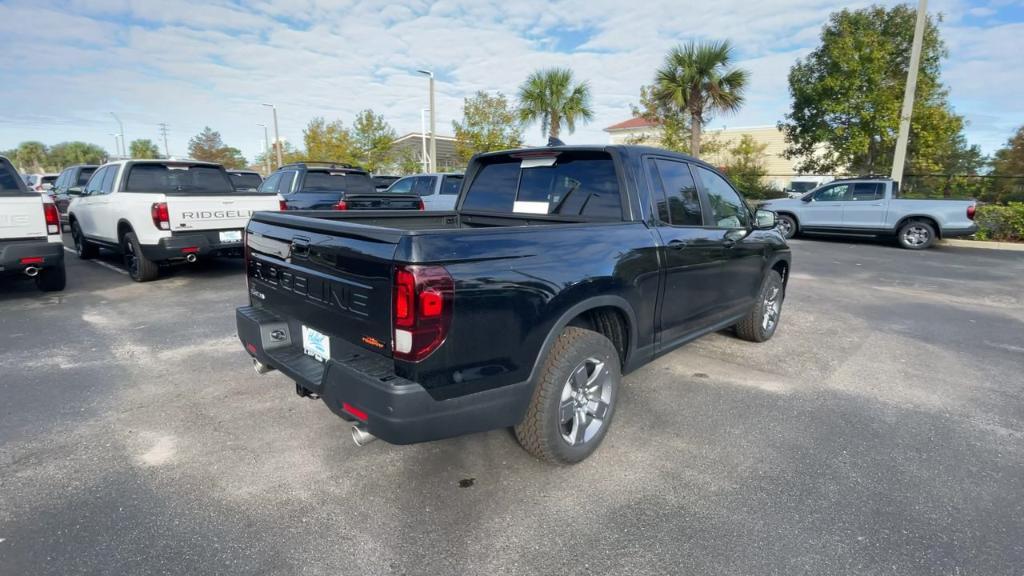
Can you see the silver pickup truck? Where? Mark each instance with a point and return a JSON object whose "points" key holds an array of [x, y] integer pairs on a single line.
{"points": [[871, 207]]}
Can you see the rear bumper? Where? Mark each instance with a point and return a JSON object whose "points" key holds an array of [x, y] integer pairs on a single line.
{"points": [[12, 251], [398, 411], [957, 232], [205, 243]]}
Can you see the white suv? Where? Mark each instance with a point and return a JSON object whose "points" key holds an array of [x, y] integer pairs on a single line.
{"points": [[154, 211]]}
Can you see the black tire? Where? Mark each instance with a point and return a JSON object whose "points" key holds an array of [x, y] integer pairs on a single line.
{"points": [[759, 325], [86, 250], [545, 432], [787, 225], [51, 279], [916, 235], [140, 268]]}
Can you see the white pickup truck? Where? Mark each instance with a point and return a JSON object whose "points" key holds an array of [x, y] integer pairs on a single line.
{"points": [[30, 242], [161, 211]]}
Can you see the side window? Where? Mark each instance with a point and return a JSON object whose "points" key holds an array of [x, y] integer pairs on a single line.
{"points": [[868, 191], [424, 186], [96, 182], [835, 193], [403, 186], [287, 183], [108, 180], [451, 185], [269, 185], [727, 208], [678, 201]]}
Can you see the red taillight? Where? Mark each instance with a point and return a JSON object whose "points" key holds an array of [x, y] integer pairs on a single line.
{"points": [[970, 211], [52, 218], [422, 207], [359, 414], [342, 205], [161, 218], [282, 205], [423, 310]]}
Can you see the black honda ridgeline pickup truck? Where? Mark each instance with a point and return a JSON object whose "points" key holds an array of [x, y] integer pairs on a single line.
{"points": [[561, 269]]}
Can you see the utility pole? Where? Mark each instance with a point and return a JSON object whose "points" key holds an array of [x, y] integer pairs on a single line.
{"points": [[277, 137], [433, 122], [122, 151], [900, 156], [266, 149], [163, 132]]}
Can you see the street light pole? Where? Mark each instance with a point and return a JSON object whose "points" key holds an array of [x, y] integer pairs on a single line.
{"points": [[433, 123], [423, 139], [117, 143], [266, 149], [900, 156], [277, 137], [120, 125]]}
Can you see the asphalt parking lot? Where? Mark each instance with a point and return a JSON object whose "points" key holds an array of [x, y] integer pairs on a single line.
{"points": [[880, 432]]}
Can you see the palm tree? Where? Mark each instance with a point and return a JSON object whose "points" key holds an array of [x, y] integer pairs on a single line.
{"points": [[697, 79], [553, 97]]}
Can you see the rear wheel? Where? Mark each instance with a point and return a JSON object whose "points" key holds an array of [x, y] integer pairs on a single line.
{"points": [[86, 250], [916, 235], [760, 323], [51, 279], [574, 400], [787, 225], [140, 268]]}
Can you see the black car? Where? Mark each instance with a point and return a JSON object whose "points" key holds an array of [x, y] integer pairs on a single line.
{"points": [[245, 180], [561, 269], [71, 177], [332, 186]]}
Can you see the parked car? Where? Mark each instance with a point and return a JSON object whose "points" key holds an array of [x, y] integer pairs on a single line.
{"points": [[245, 180], [332, 186], [71, 177], [438, 191], [30, 243], [871, 207], [40, 182], [381, 182], [161, 211], [562, 269], [801, 185]]}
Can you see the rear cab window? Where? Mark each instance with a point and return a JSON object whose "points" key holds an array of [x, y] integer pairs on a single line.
{"points": [[83, 176], [564, 183], [246, 181], [178, 178], [344, 181], [11, 183]]}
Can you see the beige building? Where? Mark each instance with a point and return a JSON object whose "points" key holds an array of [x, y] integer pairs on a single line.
{"points": [[780, 170], [412, 142]]}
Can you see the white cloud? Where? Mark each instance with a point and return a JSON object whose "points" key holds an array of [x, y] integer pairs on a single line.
{"points": [[192, 64]]}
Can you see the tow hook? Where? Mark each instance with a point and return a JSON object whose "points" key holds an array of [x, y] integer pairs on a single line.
{"points": [[360, 436], [260, 367]]}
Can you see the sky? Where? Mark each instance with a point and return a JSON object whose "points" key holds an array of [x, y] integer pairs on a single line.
{"points": [[66, 65]]}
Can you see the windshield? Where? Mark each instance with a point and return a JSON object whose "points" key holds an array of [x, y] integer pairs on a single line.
{"points": [[338, 181], [189, 178], [83, 176], [246, 181]]}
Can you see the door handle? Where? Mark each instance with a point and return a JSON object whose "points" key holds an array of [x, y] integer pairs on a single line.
{"points": [[677, 244]]}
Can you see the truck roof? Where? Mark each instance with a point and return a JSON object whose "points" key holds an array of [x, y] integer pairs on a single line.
{"points": [[625, 149]]}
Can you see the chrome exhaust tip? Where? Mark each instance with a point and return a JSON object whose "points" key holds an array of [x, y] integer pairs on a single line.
{"points": [[31, 271], [191, 258], [260, 367], [360, 436]]}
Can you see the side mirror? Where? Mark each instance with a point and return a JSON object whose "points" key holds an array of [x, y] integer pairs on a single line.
{"points": [[807, 198], [764, 220], [76, 191]]}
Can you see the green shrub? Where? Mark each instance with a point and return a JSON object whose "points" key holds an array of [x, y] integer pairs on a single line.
{"points": [[1005, 223]]}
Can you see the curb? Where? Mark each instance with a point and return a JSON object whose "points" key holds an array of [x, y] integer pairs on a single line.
{"points": [[984, 244]]}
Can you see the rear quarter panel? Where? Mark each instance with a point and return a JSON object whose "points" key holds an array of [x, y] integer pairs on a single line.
{"points": [[512, 285], [949, 214]]}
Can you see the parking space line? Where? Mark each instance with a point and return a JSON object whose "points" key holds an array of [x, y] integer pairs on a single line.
{"points": [[100, 263]]}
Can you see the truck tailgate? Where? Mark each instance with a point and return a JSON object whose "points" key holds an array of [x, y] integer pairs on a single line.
{"points": [[216, 212], [21, 216], [338, 285]]}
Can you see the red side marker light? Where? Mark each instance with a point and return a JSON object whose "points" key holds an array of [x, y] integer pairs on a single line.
{"points": [[32, 260], [251, 348], [359, 414]]}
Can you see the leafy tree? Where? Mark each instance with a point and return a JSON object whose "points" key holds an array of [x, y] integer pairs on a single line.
{"points": [[329, 142], [489, 123], [31, 155], [143, 148], [70, 153], [288, 153], [406, 163], [208, 146], [848, 94], [746, 168], [673, 126], [372, 138], [552, 97], [1008, 170], [697, 79]]}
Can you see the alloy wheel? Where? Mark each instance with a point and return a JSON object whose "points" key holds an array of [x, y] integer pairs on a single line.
{"points": [[585, 402], [772, 306], [916, 235]]}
